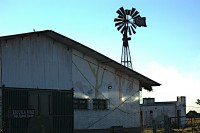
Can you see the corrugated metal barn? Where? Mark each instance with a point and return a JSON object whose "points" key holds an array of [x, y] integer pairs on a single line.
{"points": [[49, 80]]}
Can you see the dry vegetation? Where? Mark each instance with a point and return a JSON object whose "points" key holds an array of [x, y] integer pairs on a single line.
{"points": [[192, 126]]}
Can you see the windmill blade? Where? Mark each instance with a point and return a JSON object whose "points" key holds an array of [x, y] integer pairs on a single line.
{"points": [[123, 30], [121, 17], [118, 28], [122, 10], [133, 30], [120, 13], [116, 24], [135, 14], [129, 30], [132, 11], [133, 25], [117, 19], [127, 12]]}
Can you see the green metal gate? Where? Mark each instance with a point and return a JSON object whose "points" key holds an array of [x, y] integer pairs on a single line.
{"points": [[34, 110], [63, 112], [14, 99]]}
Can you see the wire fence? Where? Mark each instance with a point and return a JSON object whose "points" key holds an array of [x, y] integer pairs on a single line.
{"points": [[192, 125], [173, 125]]}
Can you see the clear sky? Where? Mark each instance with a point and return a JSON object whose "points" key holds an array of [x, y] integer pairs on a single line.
{"points": [[167, 50]]}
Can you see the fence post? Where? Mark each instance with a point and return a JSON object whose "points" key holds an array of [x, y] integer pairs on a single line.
{"points": [[154, 126], [166, 124], [193, 125]]}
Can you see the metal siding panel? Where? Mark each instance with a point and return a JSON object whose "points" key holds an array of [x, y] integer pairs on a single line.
{"points": [[1, 108], [0, 62], [51, 70], [36, 62], [64, 68]]}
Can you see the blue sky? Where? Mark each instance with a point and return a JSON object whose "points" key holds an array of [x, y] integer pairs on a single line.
{"points": [[167, 50]]}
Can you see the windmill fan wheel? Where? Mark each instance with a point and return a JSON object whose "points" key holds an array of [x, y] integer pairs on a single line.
{"points": [[128, 20]]}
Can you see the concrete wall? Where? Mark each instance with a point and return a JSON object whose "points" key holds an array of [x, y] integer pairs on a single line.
{"points": [[157, 113], [35, 61], [91, 80], [181, 105], [159, 110]]}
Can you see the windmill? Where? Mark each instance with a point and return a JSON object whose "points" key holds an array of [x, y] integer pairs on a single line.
{"points": [[126, 23]]}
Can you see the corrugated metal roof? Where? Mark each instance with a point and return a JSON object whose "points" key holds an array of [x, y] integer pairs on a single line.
{"points": [[145, 82]]}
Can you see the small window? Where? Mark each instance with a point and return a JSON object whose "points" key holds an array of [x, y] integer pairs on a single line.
{"points": [[80, 103], [99, 104]]}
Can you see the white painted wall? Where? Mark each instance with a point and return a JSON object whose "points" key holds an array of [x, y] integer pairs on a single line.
{"points": [[35, 62], [85, 82], [159, 112], [162, 110], [181, 105]]}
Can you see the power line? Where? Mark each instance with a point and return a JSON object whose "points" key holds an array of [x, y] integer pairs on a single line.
{"points": [[109, 113]]}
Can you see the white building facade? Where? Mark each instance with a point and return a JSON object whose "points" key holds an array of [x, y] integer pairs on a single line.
{"points": [[163, 112], [106, 93]]}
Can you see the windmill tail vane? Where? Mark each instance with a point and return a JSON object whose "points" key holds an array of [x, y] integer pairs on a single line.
{"points": [[126, 23]]}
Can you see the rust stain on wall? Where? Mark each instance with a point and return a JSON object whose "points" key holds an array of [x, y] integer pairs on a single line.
{"points": [[99, 79], [120, 81]]}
